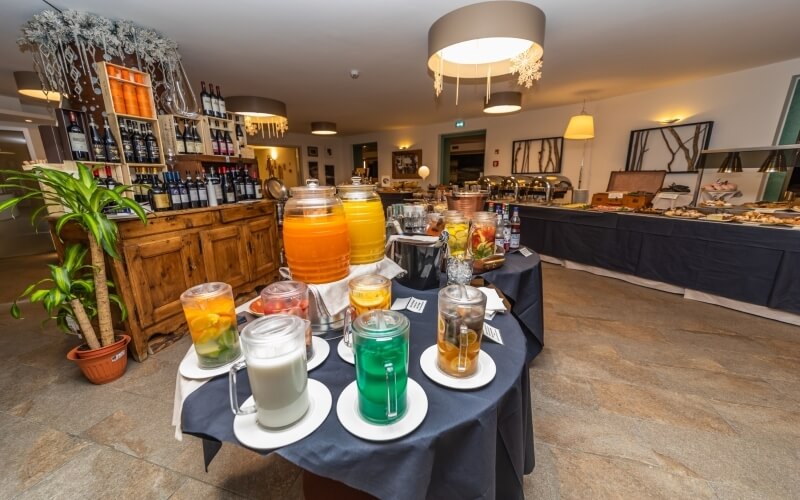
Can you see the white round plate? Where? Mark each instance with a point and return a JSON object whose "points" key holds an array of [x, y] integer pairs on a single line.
{"points": [[252, 435], [347, 411], [321, 352], [482, 376], [190, 369], [346, 353]]}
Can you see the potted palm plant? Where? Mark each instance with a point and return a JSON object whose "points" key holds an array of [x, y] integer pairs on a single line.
{"points": [[79, 293]]}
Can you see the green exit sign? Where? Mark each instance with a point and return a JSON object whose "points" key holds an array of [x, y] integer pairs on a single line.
{"points": [[460, 123]]}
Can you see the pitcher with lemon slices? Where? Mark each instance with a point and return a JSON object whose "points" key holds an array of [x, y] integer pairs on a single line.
{"points": [[211, 315], [460, 329]]}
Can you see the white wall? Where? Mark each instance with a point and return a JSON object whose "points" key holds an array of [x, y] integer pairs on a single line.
{"points": [[322, 143], [745, 107]]}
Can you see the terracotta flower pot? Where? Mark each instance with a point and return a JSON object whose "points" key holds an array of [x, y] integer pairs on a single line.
{"points": [[103, 365]]}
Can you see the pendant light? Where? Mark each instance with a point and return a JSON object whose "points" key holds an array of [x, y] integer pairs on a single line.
{"points": [[503, 102], [486, 40], [732, 163], [323, 128], [775, 162], [260, 114], [29, 85]]}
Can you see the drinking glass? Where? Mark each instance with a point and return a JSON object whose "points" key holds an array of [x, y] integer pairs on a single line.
{"points": [[380, 340], [211, 315], [288, 297], [366, 293], [459, 270], [460, 329], [275, 357]]}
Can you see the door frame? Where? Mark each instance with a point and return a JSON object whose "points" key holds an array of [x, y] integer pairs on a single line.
{"points": [[444, 151]]}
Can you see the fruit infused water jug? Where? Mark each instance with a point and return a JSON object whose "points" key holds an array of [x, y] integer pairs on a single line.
{"points": [[366, 223], [275, 356], [482, 235], [315, 236], [457, 227], [288, 297], [380, 343], [460, 329], [211, 315]]}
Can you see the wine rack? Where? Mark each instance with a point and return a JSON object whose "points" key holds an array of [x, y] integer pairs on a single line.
{"points": [[110, 76]]}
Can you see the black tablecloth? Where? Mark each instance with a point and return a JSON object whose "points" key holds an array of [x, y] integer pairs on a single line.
{"points": [[759, 265], [472, 444]]}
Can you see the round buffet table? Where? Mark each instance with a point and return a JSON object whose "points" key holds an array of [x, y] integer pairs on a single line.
{"points": [[472, 444]]}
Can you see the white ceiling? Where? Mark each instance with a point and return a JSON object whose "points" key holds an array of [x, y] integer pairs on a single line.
{"points": [[302, 51]]}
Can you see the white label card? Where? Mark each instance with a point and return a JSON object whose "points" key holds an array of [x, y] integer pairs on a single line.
{"points": [[492, 333], [669, 196], [615, 195], [524, 251], [409, 303]]}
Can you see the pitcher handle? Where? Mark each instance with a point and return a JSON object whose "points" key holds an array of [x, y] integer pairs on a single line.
{"points": [[463, 347], [285, 273], [391, 390], [347, 335], [232, 391]]}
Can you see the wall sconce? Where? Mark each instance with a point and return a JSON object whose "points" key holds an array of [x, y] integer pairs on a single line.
{"points": [[403, 147], [670, 121]]}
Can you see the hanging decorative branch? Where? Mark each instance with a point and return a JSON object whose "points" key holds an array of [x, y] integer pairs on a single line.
{"points": [[65, 45]]}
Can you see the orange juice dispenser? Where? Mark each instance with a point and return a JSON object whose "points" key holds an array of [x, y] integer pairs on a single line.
{"points": [[315, 235], [366, 223]]}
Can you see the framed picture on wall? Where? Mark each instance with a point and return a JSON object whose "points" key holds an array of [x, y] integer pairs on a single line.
{"points": [[312, 151], [405, 163], [535, 156], [313, 170], [674, 148]]}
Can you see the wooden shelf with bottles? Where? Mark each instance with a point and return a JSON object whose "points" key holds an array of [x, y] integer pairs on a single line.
{"points": [[118, 100]]}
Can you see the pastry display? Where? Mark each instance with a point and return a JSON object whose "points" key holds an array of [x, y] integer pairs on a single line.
{"points": [[721, 217], [611, 208], [715, 204], [650, 211], [754, 217], [685, 213], [778, 205]]}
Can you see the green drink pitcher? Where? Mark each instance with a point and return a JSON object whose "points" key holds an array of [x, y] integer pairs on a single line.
{"points": [[380, 345]]}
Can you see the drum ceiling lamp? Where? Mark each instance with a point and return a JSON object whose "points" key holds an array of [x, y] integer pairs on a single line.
{"points": [[580, 127], [261, 114], [29, 84], [503, 102], [486, 40], [323, 128]]}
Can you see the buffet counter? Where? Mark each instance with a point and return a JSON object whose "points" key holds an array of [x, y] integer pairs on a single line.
{"points": [[751, 264]]}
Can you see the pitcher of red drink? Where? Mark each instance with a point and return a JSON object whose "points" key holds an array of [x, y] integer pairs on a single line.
{"points": [[288, 297]]}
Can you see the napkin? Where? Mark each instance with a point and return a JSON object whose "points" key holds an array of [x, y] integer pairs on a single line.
{"points": [[493, 300]]}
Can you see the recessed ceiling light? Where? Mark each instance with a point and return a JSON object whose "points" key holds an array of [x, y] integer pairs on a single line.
{"points": [[28, 120]]}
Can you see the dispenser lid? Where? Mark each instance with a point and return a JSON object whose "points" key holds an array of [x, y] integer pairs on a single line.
{"points": [[462, 294], [312, 189], [380, 324], [356, 190], [275, 328]]}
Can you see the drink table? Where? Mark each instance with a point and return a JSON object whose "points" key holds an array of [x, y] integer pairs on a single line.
{"points": [[472, 444]]}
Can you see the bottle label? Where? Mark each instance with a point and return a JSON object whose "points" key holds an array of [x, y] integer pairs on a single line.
{"points": [[99, 152], [201, 192], [113, 152], [161, 200], [215, 106], [218, 191], [78, 142], [258, 191], [222, 108], [207, 109], [514, 241]]}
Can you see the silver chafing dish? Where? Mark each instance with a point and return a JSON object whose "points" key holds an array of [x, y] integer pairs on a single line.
{"points": [[492, 184], [547, 187]]}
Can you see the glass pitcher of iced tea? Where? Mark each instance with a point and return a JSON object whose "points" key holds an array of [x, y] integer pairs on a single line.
{"points": [[315, 235], [365, 221], [460, 329]]}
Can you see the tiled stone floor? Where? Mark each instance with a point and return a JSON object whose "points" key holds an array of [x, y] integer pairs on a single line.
{"points": [[638, 394]]}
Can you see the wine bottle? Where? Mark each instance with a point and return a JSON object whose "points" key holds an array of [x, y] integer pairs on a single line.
{"points": [[223, 147], [215, 146], [249, 187], [159, 198], [173, 190], [139, 145], [202, 193], [180, 144], [221, 101], [127, 142], [205, 99], [191, 188], [109, 181], [257, 186], [98, 148], [198, 143], [216, 183], [239, 133], [110, 144], [77, 139], [183, 189], [239, 185], [153, 153], [211, 191], [228, 143], [214, 101], [516, 224]]}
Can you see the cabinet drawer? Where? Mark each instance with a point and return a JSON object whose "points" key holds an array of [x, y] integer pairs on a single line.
{"points": [[246, 211], [165, 224]]}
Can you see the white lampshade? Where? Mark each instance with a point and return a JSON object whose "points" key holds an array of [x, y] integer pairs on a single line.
{"points": [[580, 127], [424, 172]]}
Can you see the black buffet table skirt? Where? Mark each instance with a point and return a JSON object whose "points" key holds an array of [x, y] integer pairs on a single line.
{"points": [[472, 444], [759, 265]]}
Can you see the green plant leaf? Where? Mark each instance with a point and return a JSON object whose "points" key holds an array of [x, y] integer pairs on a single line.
{"points": [[62, 279], [15, 311], [122, 309], [38, 295]]}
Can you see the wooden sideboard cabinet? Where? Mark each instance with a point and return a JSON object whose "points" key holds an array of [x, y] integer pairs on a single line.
{"points": [[236, 244]]}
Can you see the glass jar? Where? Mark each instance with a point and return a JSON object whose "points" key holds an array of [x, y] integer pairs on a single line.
{"points": [[366, 224], [315, 235], [457, 227], [460, 329], [211, 315], [482, 235], [288, 297]]}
